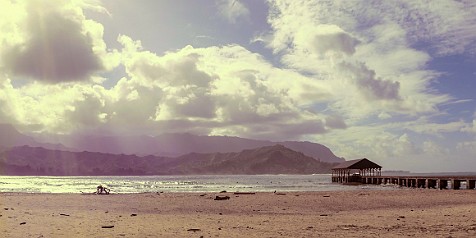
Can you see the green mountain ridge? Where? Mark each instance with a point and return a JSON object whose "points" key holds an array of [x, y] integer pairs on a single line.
{"points": [[276, 159]]}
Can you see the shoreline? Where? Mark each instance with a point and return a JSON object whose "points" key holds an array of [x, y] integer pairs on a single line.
{"points": [[356, 213]]}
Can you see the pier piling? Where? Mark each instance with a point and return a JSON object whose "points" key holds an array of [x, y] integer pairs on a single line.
{"points": [[470, 184], [437, 182]]}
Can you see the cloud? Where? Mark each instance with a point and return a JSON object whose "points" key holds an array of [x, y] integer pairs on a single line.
{"points": [[467, 147], [215, 90], [446, 27], [431, 148], [471, 127], [424, 126], [335, 122], [232, 10], [339, 42], [361, 56], [368, 83], [228, 87], [87, 110], [443, 26], [7, 95], [325, 39], [56, 44]]}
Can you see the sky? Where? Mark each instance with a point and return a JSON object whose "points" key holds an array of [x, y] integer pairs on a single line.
{"points": [[393, 81]]}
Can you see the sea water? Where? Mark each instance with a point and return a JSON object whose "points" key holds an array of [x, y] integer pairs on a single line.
{"points": [[198, 183]]}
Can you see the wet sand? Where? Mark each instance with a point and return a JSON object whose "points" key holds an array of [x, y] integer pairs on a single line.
{"points": [[398, 213]]}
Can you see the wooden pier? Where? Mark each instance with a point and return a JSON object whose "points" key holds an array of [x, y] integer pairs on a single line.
{"points": [[364, 171], [435, 182]]}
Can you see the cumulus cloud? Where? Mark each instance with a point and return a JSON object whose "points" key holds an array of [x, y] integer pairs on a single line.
{"points": [[215, 90], [325, 39], [368, 83], [55, 44], [364, 60], [339, 42], [232, 10]]}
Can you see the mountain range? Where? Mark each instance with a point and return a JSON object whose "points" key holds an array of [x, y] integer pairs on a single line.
{"points": [[174, 145], [277, 159], [163, 154]]}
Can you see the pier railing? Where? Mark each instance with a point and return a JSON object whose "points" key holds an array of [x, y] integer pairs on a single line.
{"points": [[435, 182]]}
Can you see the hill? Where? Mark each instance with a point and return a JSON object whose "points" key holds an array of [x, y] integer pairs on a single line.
{"points": [[277, 159], [173, 145]]}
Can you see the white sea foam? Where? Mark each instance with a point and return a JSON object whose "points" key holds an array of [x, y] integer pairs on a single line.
{"points": [[199, 183]]}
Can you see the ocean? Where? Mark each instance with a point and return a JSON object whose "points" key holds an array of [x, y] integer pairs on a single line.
{"points": [[197, 183]]}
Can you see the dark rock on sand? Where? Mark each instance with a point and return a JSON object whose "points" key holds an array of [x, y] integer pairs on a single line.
{"points": [[222, 198]]}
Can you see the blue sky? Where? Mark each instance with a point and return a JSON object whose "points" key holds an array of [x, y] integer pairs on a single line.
{"points": [[392, 81]]}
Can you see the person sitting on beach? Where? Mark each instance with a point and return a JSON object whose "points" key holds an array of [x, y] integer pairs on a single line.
{"points": [[101, 189]]}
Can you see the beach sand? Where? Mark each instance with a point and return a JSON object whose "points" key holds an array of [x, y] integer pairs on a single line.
{"points": [[363, 213]]}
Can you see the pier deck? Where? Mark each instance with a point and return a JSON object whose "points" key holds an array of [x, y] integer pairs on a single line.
{"points": [[435, 182]]}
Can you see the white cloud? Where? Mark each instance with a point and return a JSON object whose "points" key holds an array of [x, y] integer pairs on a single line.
{"points": [[51, 41], [365, 62], [424, 126], [201, 90], [232, 10], [431, 148], [448, 27], [471, 127], [369, 85], [443, 26]]}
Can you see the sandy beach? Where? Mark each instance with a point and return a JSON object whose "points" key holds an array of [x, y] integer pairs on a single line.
{"points": [[398, 213]]}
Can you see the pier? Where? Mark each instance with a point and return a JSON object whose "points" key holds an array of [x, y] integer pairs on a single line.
{"points": [[364, 171], [435, 182]]}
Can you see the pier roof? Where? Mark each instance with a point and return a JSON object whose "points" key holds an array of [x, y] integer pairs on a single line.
{"points": [[357, 164]]}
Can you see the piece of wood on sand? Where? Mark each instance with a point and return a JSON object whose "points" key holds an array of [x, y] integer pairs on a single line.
{"points": [[222, 198], [244, 193]]}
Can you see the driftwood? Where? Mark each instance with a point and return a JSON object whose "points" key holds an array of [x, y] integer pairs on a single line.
{"points": [[222, 198]]}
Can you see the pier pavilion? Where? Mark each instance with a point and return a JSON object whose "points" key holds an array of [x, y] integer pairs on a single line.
{"points": [[353, 170], [365, 171]]}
